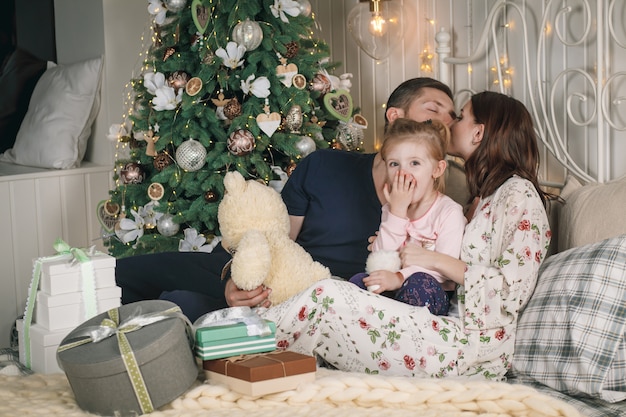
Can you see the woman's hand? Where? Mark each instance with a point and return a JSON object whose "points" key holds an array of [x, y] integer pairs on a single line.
{"points": [[384, 281], [236, 297]]}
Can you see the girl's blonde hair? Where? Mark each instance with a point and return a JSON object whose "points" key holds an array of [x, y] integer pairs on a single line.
{"points": [[433, 133]]}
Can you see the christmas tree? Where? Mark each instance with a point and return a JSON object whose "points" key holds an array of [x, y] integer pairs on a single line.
{"points": [[226, 85]]}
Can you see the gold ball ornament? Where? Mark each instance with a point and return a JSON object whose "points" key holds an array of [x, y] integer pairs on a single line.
{"points": [[241, 142], [232, 109], [132, 173], [210, 196], [249, 34], [190, 155]]}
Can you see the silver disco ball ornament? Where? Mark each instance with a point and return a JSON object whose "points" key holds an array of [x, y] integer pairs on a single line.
{"points": [[249, 34], [190, 155], [175, 6], [167, 226]]}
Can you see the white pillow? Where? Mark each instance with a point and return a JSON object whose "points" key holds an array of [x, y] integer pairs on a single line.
{"points": [[57, 125]]}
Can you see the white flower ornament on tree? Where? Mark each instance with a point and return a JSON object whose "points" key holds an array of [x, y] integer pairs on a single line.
{"points": [[165, 95], [166, 98], [153, 81], [259, 87], [195, 242], [149, 214], [133, 228], [282, 8], [117, 132], [231, 56], [158, 10]]}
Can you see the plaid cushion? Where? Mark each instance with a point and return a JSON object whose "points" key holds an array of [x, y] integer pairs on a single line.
{"points": [[570, 336]]}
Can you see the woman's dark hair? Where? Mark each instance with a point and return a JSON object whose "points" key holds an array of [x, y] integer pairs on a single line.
{"points": [[509, 145], [409, 90]]}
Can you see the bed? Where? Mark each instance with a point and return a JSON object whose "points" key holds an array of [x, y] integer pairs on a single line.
{"points": [[580, 295]]}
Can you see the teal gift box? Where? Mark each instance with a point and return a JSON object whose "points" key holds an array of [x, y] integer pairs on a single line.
{"points": [[217, 342]]}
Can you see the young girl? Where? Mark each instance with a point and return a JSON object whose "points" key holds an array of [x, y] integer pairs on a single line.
{"points": [[416, 211]]}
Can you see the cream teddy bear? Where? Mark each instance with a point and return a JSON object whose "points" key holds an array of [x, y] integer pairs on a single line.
{"points": [[254, 224]]}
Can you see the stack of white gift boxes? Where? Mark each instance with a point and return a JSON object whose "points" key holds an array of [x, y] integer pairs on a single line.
{"points": [[64, 299]]}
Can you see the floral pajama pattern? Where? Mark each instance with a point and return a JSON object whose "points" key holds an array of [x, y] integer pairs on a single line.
{"points": [[354, 330]]}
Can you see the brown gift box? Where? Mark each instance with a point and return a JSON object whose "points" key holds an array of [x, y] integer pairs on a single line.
{"points": [[262, 374]]}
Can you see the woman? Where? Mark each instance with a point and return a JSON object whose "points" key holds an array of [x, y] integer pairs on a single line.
{"points": [[505, 242]]}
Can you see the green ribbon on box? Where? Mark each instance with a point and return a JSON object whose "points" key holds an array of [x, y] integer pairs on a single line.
{"points": [[89, 286], [111, 326]]}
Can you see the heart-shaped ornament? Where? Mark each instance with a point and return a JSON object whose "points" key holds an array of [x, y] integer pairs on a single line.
{"points": [[339, 104], [107, 215], [268, 122], [286, 73], [200, 15]]}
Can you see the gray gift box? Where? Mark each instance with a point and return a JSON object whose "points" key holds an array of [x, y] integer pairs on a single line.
{"points": [[98, 376]]}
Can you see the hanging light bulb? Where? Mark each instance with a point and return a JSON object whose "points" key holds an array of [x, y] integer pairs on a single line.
{"points": [[376, 26]]}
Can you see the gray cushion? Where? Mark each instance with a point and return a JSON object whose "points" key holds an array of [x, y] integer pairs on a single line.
{"points": [[570, 336]]}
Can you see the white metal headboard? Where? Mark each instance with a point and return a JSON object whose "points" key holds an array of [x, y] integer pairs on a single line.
{"points": [[572, 82]]}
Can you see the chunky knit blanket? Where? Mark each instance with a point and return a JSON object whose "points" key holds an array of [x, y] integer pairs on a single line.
{"points": [[333, 393]]}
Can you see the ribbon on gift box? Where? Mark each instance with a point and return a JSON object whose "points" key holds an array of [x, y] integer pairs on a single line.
{"points": [[255, 325], [83, 257], [243, 358], [111, 326]]}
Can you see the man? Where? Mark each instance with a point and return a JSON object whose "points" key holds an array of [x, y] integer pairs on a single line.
{"points": [[334, 199]]}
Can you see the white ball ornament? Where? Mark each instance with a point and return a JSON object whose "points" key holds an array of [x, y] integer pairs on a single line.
{"points": [[305, 145], [175, 6], [167, 226], [249, 34], [305, 7], [190, 155]]}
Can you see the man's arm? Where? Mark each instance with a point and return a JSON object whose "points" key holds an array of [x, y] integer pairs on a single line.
{"points": [[295, 223]]}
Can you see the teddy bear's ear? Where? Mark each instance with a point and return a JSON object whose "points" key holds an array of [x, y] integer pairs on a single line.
{"points": [[234, 181]]}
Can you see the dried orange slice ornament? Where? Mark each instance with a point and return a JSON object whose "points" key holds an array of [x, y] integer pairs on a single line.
{"points": [[156, 191], [360, 120], [194, 85]]}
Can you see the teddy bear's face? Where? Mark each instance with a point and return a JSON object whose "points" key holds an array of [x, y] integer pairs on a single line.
{"points": [[249, 205]]}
